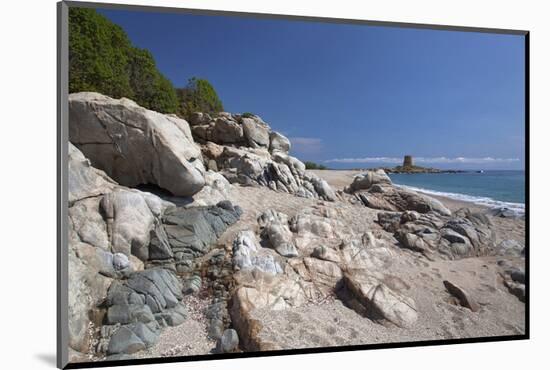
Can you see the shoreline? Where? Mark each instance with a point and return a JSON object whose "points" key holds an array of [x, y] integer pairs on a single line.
{"points": [[341, 178], [518, 208]]}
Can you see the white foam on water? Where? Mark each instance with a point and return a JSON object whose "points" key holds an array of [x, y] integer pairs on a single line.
{"points": [[518, 208]]}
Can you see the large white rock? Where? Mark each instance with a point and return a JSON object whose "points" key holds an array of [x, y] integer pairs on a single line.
{"points": [[134, 145], [108, 234], [256, 133]]}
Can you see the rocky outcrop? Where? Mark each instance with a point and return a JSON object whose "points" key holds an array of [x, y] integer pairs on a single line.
{"points": [[125, 246], [109, 228], [248, 255], [513, 278], [137, 310], [248, 152], [325, 254], [464, 234], [134, 145], [375, 190], [191, 232], [370, 178]]}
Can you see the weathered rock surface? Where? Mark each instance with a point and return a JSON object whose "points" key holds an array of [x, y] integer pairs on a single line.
{"points": [[370, 178], [191, 232], [464, 234], [140, 306], [84, 180], [275, 229], [249, 255], [325, 250], [514, 279], [134, 145], [379, 301], [116, 232], [246, 151], [109, 227], [374, 189], [229, 342], [511, 247]]}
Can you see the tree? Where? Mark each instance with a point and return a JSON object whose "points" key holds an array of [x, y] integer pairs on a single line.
{"points": [[151, 89], [102, 59], [198, 96], [98, 54]]}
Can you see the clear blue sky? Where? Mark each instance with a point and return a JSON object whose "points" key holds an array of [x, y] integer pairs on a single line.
{"points": [[350, 95]]}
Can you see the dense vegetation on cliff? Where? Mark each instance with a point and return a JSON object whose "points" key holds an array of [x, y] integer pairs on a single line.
{"points": [[103, 59], [198, 96]]}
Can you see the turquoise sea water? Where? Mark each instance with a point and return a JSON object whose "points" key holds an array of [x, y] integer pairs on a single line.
{"points": [[490, 188]]}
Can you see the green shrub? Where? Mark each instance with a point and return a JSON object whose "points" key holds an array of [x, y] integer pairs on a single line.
{"points": [[102, 59], [198, 96], [314, 166], [247, 115]]}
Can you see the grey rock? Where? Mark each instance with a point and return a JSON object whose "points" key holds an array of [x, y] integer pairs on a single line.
{"points": [[229, 342], [510, 247], [452, 236], [277, 171], [518, 276], [159, 247], [464, 234], [173, 316], [278, 142], [199, 118], [146, 296], [191, 232], [120, 261], [505, 212], [516, 289], [125, 314], [147, 333], [192, 285], [125, 341], [227, 131], [119, 357], [411, 241], [215, 328]]}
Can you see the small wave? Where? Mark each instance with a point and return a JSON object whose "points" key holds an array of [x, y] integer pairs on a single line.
{"points": [[518, 208]]}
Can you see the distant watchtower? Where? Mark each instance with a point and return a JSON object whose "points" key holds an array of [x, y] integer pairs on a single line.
{"points": [[408, 161]]}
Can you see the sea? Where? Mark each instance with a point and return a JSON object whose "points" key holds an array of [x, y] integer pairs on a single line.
{"points": [[495, 189]]}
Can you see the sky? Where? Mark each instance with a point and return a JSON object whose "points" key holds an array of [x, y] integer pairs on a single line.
{"points": [[354, 96]]}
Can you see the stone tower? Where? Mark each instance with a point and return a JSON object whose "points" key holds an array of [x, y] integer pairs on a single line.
{"points": [[408, 161]]}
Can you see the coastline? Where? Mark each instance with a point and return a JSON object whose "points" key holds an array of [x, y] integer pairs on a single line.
{"points": [[507, 228], [340, 178]]}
